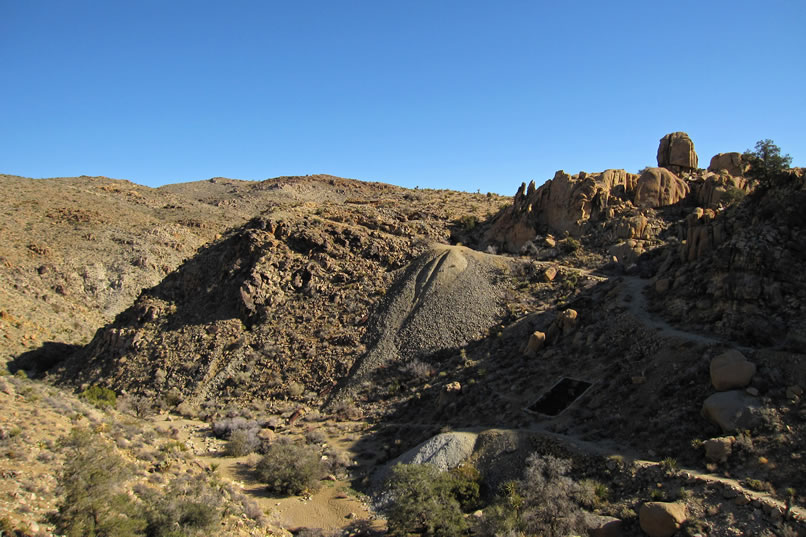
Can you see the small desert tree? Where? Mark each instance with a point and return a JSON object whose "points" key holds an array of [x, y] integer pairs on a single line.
{"points": [[766, 161], [290, 469], [93, 505]]}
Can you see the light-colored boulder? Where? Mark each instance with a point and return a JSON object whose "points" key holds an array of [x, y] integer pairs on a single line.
{"points": [[536, 342], [719, 449], [445, 451], [677, 150], [729, 162], [658, 187], [732, 410], [731, 370], [549, 274], [661, 519]]}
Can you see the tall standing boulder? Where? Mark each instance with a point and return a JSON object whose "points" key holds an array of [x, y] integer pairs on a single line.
{"points": [[658, 187], [676, 152]]}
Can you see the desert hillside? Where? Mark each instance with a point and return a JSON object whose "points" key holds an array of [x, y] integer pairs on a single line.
{"points": [[614, 353]]}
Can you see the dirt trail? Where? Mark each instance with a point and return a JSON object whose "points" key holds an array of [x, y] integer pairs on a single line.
{"points": [[333, 506], [632, 296]]}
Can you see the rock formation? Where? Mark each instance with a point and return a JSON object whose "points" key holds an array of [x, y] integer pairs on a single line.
{"points": [[676, 152], [732, 163], [564, 204], [658, 187]]}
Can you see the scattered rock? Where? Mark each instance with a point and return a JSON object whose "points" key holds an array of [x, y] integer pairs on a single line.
{"points": [[536, 342], [603, 526], [661, 519], [731, 370], [568, 321], [719, 449], [732, 410], [549, 274]]}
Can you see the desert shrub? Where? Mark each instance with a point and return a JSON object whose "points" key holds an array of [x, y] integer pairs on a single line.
{"points": [[569, 245], [592, 494], [337, 460], [242, 442], [290, 469], [422, 500], [6, 527], [315, 436], [669, 465], [225, 427], [295, 389], [347, 411], [542, 503], [190, 506], [418, 369], [136, 405], [99, 396], [733, 195], [467, 222], [93, 504], [463, 482]]}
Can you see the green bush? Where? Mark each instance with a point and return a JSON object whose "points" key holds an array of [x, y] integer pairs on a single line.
{"points": [[766, 161], [423, 500], [290, 469], [468, 222], [569, 245], [99, 396]]}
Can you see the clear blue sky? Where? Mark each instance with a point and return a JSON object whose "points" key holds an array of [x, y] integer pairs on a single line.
{"points": [[443, 94]]}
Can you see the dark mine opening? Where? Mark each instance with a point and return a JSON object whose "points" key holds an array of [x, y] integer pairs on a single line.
{"points": [[560, 396]]}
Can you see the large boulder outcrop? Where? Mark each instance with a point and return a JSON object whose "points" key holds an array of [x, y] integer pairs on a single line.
{"points": [[564, 204], [732, 410], [444, 451], [731, 370], [658, 187], [676, 152], [715, 189], [729, 162], [661, 519]]}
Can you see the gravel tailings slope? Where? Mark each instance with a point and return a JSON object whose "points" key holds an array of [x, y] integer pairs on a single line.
{"points": [[444, 299]]}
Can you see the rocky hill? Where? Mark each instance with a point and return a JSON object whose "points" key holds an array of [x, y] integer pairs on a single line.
{"points": [[647, 327]]}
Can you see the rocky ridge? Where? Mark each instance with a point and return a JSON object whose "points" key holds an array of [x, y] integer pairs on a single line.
{"points": [[640, 288]]}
